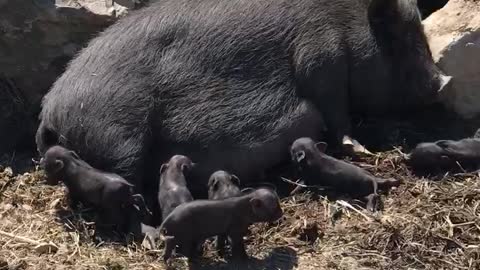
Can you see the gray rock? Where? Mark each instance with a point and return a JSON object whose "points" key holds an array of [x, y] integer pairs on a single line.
{"points": [[454, 37], [37, 39]]}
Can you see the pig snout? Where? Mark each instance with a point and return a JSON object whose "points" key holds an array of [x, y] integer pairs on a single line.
{"points": [[278, 214]]}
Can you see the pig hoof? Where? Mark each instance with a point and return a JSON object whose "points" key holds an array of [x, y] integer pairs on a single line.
{"points": [[374, 203]]}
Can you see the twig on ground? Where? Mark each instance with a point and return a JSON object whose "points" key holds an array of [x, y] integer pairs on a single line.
{"points": [[39, 246], [346, 204]]}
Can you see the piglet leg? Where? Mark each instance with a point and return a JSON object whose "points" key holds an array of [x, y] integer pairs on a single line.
{"points": [[220, 244], [385, 184], [238, 247], [169, 246], [373, 202]]}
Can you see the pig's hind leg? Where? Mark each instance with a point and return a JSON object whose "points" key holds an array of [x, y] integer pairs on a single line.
{"points": [[220, 244], [238, 247], [170, 244]]}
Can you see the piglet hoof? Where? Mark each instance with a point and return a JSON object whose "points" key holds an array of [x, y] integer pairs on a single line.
{"points": [[374, 202], [353, 148], [240, 257], [395, 182]]}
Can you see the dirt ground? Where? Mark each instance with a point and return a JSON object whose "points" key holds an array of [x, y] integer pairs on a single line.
{"points": [[425, 224]]}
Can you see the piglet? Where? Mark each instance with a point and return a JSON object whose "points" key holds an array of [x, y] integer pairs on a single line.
{"points": [[108, 192], [193, 222], [173, 189], [314, 165], [446, 155], [223, 185]]}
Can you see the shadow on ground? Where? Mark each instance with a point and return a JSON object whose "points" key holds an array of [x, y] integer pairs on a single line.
{"points": [[280, 258]]}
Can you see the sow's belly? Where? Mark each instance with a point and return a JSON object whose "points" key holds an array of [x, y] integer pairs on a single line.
{"points": [[251, 153]]}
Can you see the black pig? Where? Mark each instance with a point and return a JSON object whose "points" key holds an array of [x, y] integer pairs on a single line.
{"points": [[173, 186], [222, 185], [108, 192], [316, 166], [233, 83], [446, 155], [191, 223]]}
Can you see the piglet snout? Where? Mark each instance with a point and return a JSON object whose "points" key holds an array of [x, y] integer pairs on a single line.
{"points": [[278, 214]]}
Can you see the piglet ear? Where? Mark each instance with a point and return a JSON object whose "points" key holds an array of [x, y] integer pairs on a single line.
{"points": [[299, 156], [139, 204], [163, 168], [213, 184], [322, 146], [235, 180], [58, 165]]}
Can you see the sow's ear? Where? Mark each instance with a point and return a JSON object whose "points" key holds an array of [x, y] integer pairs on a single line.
{"points": [[382, 9], [390, 11]]}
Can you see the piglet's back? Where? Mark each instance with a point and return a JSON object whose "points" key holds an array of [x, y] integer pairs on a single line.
{"points": [[205, 217]]}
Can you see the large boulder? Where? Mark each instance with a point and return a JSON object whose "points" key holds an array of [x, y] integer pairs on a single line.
{"points": [[454, 37], [37, 39]]}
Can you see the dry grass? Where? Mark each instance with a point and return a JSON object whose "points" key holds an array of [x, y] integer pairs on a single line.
{"points": [[425, 224]]}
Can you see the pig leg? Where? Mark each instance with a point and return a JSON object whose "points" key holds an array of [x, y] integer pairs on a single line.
{"points": [[73, 201], [238, 246], [373, 202], [220, 244], [195, 250], [387, 183], [328, 87], [169, 247]]}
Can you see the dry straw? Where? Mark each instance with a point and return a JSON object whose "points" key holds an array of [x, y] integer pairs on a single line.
{"points": [[432, 224]]}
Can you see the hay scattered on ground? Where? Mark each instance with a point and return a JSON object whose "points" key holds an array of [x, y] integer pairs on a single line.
{"points": [[425, 224]]}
